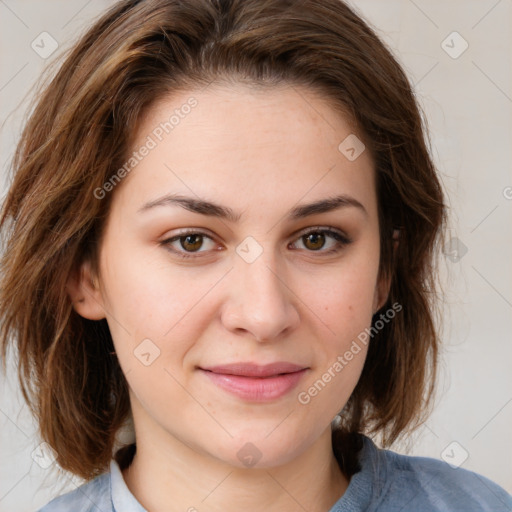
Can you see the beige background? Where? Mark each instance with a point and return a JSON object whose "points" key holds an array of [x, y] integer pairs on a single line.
{"points": [[468, 104]]}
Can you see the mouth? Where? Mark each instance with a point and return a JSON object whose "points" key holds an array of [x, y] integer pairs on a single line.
{"points": [[256, 383]]}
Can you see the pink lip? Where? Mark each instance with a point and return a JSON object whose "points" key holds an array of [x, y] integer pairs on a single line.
{"points": [[256, 383]]}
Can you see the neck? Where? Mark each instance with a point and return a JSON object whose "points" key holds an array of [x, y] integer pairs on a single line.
{"points": [[170, 476]]}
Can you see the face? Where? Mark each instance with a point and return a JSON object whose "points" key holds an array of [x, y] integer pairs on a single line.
{"points": [[231, 319]]}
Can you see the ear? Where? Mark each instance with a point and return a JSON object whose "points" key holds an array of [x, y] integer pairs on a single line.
{"points": [[84, 292], [384, 285], [381, 293]]}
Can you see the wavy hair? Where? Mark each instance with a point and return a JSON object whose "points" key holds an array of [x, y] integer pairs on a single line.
{"points": [[79, 134]]}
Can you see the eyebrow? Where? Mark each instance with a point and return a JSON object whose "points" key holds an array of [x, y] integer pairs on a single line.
{"points": [[212, 209]]}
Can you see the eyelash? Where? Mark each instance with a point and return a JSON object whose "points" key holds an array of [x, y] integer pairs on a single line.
{"points": [[341, 240]]}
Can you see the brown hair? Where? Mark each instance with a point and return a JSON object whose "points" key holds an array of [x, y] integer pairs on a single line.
{"points": [[79, 134]]}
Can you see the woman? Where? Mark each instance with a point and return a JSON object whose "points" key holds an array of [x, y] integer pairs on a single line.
{"points": [[230, 219]]}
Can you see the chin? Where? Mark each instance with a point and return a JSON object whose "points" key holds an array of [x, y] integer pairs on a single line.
{"points": [[253, 450]]}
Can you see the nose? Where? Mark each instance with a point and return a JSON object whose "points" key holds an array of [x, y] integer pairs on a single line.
{"points": [[259, 300]]}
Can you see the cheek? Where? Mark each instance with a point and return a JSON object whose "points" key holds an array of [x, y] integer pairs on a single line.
{"points": [[144, 291], [145, 300], [345, 306], [344, 300]]}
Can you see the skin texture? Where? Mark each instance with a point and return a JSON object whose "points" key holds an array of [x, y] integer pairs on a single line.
{"points": [[260, 153]]}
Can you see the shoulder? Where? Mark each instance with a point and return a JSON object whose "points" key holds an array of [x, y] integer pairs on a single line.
{"points": [[423, 483], [93, 496]]}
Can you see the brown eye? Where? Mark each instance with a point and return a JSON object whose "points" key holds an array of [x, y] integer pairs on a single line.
{"points": [[189, 245], [314, 241], [325, 241], [191, 242]]}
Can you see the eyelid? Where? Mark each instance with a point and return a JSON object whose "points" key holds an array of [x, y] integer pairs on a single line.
{"points": [[304, 231], [183, 233]]}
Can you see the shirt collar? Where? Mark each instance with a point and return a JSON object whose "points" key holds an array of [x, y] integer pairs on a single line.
{"points": [[122, 499], [367, 484]]}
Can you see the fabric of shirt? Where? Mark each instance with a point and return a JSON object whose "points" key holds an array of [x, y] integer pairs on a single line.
{"points": [[386, 482]]}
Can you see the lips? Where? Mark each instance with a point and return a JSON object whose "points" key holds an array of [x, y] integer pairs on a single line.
{"points": [[256, 383], [254, 370]]}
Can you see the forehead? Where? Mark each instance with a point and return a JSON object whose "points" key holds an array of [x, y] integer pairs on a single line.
{"points": [[227, 114], [248, 145]]}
